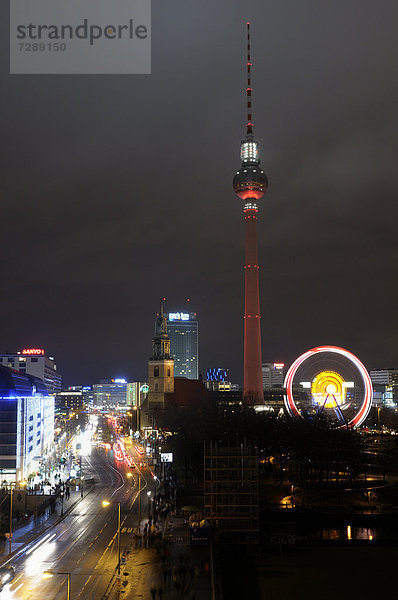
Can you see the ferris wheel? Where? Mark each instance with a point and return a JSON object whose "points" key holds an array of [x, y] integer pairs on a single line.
{"points": [[330, 384]]}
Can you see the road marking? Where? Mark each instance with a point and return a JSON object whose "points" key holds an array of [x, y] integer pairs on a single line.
{"points": [[16, 580]]}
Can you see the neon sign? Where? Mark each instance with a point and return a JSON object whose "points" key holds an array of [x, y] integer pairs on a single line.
{"points": [[279, 365], [119, 381], [32, 351], [178, 316]]}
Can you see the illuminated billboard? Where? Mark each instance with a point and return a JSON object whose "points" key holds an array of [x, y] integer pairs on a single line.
{"points": [[178, 316]]}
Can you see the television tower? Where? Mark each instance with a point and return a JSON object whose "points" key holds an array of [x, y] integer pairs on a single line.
{"points": [[250, 184]]}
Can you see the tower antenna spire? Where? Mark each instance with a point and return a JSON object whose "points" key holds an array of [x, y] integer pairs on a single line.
{"points": [[250, 184], [249, 89]]}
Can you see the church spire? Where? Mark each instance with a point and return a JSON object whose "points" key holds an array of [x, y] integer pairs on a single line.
{"points": [[161, 341]]}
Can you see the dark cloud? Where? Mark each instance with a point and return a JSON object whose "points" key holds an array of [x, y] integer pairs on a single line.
{"points": [[116, 190]]}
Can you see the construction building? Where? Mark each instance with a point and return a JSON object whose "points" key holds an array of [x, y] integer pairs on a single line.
{"points": [[231, 492]]}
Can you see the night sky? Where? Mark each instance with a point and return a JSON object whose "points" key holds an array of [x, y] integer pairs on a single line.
{"points": [[117, 190]]}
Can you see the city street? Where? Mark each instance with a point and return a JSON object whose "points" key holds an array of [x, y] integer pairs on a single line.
{"points": [[84, 543]]}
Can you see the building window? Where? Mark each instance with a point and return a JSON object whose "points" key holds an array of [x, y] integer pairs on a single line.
{"points": [[156, 387], [156, 371], [168, 372], [34, 359]]}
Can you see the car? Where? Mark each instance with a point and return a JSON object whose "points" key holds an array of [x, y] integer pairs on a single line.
{"points": [[7, 574]]}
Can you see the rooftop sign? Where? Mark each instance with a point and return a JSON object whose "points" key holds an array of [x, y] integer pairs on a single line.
{"points": [[32, 351], [178, 316]]}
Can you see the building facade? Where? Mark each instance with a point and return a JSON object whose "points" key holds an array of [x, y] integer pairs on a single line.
{"points": [[34, 361], [217, 380], [182, 329], [273, 375], [137, 392], [26, 424], [385, 387], [231, 498], [70, 400], [112, 392]]}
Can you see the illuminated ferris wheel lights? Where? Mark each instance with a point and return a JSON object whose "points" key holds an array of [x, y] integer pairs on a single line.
{"points": [[347, 402]]}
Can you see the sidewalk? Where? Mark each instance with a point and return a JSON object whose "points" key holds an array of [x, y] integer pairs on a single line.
{"points": [[174, 567], [23, 531]]}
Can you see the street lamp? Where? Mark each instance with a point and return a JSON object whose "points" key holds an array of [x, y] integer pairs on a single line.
{"points": [[62, 501], [81, 478], [22, 483], [51, 573], [106, 503], [149, 503], [157, 481]]}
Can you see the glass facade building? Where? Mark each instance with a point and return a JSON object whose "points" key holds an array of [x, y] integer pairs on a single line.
{"points": [[26, 423], [182, 329]]}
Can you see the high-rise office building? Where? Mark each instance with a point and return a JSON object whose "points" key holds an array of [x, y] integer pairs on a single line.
{"points": [[273, 375], [182, 328], [33, 361]]}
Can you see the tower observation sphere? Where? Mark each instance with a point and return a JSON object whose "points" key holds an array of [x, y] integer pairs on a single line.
{"points": [[250, 184]]}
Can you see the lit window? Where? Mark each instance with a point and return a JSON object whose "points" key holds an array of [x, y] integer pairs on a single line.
{"points": [[249, 152]]}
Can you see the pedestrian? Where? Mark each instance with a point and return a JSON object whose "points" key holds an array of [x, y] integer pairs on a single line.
{"points": [[153, 591], [160, 593]]}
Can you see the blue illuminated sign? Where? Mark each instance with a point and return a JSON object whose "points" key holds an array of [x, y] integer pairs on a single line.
{"points": [[217, 374]]}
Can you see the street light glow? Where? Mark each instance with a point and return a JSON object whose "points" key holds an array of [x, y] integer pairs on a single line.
{"points": [[47, 574]]}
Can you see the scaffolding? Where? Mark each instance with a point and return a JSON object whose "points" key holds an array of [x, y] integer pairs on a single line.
{"points": [[231, 492]]}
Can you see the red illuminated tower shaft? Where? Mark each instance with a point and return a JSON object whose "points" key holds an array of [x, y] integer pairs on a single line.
{"points": [[250, 184], [252, 373]]}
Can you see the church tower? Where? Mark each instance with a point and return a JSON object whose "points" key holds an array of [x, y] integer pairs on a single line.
{"points": [[160, 366]]}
